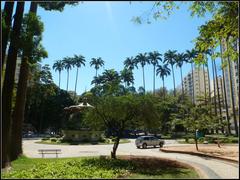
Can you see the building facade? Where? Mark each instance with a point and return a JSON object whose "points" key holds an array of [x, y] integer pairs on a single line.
{"points": [[196, 84]]}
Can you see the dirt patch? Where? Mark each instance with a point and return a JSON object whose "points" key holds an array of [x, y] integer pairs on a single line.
{"points": [[225, 151]]}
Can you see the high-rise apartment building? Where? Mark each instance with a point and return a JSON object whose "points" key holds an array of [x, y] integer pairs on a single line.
{"points": [[196, 84]]}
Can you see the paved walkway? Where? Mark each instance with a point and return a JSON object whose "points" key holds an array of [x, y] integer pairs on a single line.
{"points": [[209, 168]]}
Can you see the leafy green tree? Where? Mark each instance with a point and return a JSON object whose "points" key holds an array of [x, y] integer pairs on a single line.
{"points": [[142, 59], [97, 62], [163, 70], [106, 114], [154, 59], [78, 61], [198, 119], [58, 66], [170, 58]]}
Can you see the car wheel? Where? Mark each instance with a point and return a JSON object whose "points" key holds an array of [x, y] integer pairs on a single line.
{"points": [[154, 146], [138, 147], [161, 144], [144, 146]]}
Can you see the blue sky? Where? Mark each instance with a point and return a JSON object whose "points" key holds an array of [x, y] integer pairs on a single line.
{"points": [[104, 29]]}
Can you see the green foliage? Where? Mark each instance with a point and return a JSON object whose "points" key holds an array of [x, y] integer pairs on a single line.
{"points": [[45, 101], [56, 5], [78, 168]]}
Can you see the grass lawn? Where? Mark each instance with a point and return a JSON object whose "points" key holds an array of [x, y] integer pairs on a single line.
{"points": [[94, 167], [107, 141]]}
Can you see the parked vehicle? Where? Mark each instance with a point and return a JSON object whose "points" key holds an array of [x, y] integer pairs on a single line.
{"points": [[145, 141]]}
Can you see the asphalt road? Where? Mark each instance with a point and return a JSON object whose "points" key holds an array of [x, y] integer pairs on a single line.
{"points": [[209, 168]]}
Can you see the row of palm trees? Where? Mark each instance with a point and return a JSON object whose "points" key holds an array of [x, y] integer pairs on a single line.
{"points": [[76, 61], [171, 57]]}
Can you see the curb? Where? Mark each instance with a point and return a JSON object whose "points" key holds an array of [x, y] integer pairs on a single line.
{"points": [[199, 154]]}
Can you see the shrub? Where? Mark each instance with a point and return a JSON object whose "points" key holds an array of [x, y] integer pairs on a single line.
{"points": [[45, 139], [53, 139]]}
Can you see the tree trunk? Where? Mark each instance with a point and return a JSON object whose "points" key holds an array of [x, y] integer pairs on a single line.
{"points": [[214, 89], [7, 12], [174, 92], [67, 78], [204, 83], [196, 141], [59, 79], [9, 83], [219, 100], [18, 113], [182, 82], [115, 146], [76, 82], [143, 79], [225, 95], [154, 79], [193, 99], [163, 87], [231, 91]]}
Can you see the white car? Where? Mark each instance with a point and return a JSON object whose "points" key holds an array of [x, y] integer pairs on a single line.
{"points": [[145, 141]]}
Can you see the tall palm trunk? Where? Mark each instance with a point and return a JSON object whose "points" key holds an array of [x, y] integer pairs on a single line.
{"points": [[154, 67], [214, 90], [218, 95], [174, 91], [225, 95], [96, 72], [204, 83], [9, 84], [209, 89], [18, 113], [67, 78], [163, 88], [59, 80], [143, 79], [182, 81], [231, 91], [76, 81], [193, 99], [8, 10]]}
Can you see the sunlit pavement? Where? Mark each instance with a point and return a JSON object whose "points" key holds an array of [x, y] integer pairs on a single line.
{"points": [[210, 168]]}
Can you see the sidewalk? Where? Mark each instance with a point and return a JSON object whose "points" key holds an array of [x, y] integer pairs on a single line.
{"points": [[226, 152]]}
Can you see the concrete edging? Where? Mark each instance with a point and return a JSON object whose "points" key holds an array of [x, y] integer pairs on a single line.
{"points": [[199, 154]]}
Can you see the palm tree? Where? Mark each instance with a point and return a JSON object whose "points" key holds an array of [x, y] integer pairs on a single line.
{"points": [[170, 58], [129, 63], [97, 62], [58, 66], [180, 59], [127, 76], [143, 60], [191, 54], [163, 71], [154, 58], [68, 63], [78, 61]]}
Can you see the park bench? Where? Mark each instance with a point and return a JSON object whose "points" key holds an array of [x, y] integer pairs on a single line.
{"points": [[49, 151]]}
